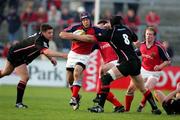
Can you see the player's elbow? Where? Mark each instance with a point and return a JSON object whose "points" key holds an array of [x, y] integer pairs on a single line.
{"points": [[45, 52]]}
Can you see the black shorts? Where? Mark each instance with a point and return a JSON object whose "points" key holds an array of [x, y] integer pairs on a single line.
{"points": [[172, 106], [131, 67], [14, 59]]}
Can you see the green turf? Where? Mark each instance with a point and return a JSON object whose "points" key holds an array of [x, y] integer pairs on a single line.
{"points": [[52, 104]]}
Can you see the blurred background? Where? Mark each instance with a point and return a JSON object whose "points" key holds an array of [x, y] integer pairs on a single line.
{"points": [[21, 18]]}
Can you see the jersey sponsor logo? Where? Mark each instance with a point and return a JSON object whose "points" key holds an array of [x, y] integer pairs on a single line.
{"points": [[105, 46]]}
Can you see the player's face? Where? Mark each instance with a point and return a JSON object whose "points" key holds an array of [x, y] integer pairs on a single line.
{"points": [[107, 25], [48, 34], [149, 36], [86, 22], [101, 25]]}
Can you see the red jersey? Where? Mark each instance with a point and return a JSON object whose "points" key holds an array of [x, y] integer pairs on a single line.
{"points": [[82, 47], [107, 52], [157, 52]]}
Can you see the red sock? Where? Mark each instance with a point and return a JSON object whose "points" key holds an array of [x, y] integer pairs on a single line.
{"points": [[71, 88], [144, 99], [128, 101], [98, 86], [111, 98], [76, 89]]}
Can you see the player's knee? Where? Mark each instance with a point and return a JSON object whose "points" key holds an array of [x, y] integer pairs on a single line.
{"points": [[76, 74], [130, 91], [77, 82], [106, 79], [151, 83], [25, 78]]}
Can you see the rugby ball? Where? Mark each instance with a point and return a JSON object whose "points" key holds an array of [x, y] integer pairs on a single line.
{"points": [[79, 32]]}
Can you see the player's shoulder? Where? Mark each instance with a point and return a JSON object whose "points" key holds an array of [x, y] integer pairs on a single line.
{"points": [[159, 44], [73, 27], [142, 44], [76, 25], [97, 29]]}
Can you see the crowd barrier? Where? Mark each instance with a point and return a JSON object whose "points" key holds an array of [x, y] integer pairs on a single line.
{"points": [[42, 73]]}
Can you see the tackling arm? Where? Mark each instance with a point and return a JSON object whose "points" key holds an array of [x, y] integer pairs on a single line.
{"points": [[83, 38], [50, 53]]}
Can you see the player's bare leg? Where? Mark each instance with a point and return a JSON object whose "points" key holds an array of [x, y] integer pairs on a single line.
{"points": [[159, 95], [150, 84], [21, 71], [118, 107], [106, 79], [138, 81], [129, 95], [75, 99], [70, 78], [7, 70]]}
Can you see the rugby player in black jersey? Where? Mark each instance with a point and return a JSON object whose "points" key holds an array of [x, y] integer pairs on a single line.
{"points": [[23, 53], [170, 102], [121, 39]]}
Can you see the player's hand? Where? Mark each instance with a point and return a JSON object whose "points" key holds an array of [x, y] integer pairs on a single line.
{"points": [[64, 55], [178, 87], [157, 68], [137, 44], [53, 61]]}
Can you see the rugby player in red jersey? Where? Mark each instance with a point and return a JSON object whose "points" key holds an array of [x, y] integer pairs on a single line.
{"points": [[154, 59], [78, 55], [120, 38]]}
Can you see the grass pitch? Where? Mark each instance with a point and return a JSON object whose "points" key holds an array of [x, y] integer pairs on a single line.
{"points": [[52, 104]]}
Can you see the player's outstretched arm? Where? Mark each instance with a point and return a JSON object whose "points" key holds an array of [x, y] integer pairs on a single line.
{"points": [[71, 36], [67, 35], [173, 93], [51, 53]]}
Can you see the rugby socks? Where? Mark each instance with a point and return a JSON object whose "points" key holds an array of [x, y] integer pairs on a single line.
{"points": [[103, 97], [111, 98], [76, 89], [71, 88], [20, 91], [128, 101], [106, 80], [143, 101], [149, 97]]}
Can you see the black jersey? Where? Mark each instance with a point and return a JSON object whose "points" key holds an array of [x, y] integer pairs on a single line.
{"points": [[120, 38], [27, 50], [172, 106]]}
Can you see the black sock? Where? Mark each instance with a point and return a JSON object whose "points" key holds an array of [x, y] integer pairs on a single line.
{"points": [[102, 99], [20, 91], [105, 88], [151, 100]]}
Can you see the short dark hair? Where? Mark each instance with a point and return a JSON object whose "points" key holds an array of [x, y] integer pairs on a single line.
{"points": [[44, 27], [116, 20], [102, 22]]}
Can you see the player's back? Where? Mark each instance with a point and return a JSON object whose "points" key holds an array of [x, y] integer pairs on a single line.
{"points": [[121, 41], [107, 52]]}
